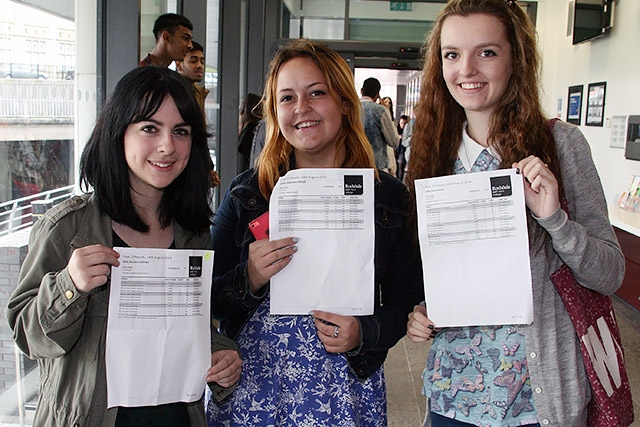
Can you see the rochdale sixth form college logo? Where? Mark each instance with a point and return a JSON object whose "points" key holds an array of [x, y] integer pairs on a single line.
{"points": [[500, 186], [195, 266], [353, 185]]}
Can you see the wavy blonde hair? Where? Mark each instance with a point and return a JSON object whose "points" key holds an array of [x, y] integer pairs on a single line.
{"points": [[274, 161]]}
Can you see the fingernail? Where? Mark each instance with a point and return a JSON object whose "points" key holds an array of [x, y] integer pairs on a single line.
{"points": [[517, 170], [295, 240], [295, 248], [430, 327]]}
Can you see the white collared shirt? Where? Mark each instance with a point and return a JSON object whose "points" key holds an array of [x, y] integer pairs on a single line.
{"points": [[470, 150]]}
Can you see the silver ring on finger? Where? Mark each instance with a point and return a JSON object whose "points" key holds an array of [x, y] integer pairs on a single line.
{"points": [[336, 331]]}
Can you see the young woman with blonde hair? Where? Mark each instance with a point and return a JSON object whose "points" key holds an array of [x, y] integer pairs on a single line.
{"points": [[323, 368]]}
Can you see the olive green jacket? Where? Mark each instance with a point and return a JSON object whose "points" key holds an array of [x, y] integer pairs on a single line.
{"points": [[65, 330]]}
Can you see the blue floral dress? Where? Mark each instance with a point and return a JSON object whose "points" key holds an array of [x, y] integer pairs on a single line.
{"points": [[289, 379]]}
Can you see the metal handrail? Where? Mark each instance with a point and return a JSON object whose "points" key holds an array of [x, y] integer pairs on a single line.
{"points": [[18, 213]]}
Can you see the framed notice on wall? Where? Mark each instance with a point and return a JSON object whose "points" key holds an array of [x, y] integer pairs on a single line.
{"points": [[595, 104], [574, 106]]}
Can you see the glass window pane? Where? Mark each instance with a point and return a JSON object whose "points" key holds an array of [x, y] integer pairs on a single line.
{"points": [[36, 100], [37, 119], [212, 104]]}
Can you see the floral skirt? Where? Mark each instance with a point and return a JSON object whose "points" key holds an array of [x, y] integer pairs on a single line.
{"points": [[289, 379]]}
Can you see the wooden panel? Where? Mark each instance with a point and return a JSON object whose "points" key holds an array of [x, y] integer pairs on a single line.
{"points": [[630, 289]]}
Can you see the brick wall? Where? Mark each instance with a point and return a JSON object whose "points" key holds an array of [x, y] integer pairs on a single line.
{"points": [[13, 249]]}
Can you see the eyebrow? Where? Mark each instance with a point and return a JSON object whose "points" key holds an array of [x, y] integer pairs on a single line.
{"points": [[480, 46], [310, 85], [157, 122]]}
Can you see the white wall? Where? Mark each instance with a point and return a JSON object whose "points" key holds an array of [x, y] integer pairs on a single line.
{"points": [[615, 59]]}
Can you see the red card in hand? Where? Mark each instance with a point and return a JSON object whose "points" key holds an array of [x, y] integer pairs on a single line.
{"points": [[260, 226]]}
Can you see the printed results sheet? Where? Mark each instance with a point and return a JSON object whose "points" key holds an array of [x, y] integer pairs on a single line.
{"points": [[331, 212], [475, 249], [158, 332]]}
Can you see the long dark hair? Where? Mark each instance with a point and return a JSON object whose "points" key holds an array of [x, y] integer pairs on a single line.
{"points": [[137, 97]]}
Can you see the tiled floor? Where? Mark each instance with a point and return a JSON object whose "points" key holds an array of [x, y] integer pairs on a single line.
{"points": [[406, 361]]}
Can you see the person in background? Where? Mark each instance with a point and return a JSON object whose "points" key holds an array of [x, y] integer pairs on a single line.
{"points": [[250, 115], [257, 144], [323, 368], [378, 126], [191, 67], [405, 141], [388, 102], [480, 110], [400, 149], [391, 151], [146, 163], [173, 40]]}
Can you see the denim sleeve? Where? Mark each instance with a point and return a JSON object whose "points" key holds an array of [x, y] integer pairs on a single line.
{"points": [[230, 295]]}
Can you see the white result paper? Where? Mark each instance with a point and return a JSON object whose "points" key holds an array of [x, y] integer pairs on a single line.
{"points": [[331, 212], [158, 334], [475, 249]]}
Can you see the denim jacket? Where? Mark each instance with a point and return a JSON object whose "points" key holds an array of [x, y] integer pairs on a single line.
{"points": [[398, 270]]}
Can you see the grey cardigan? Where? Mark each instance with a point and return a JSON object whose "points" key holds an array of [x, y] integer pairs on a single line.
{"points": [[66, 330], [587, 244]]}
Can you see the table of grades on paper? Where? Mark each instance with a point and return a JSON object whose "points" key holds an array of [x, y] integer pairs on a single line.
{"points": [[157, 297], [320, 212], [470, 220]]}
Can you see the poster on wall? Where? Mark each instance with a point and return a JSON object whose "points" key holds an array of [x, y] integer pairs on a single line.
{"points": [[618, 131], [574, 106], [595, 104]]}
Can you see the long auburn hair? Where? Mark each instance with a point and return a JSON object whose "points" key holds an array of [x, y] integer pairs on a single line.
{"points": [[518, 127], [275, 159]]}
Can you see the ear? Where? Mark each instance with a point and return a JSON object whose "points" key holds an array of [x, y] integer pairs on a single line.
{"points": [[178, 66], [345, 107], [166, 36]]}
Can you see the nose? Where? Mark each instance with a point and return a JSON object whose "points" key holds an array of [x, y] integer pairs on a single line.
{"points": [[302, 106], [166, 144], [467, 66]]}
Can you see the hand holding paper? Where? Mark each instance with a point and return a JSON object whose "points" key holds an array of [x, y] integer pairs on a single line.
{"points": [[267, 258]]}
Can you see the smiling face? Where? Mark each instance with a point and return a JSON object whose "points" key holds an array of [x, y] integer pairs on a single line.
{"points": [[309, 116], [157, 149], [476, 62]]}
